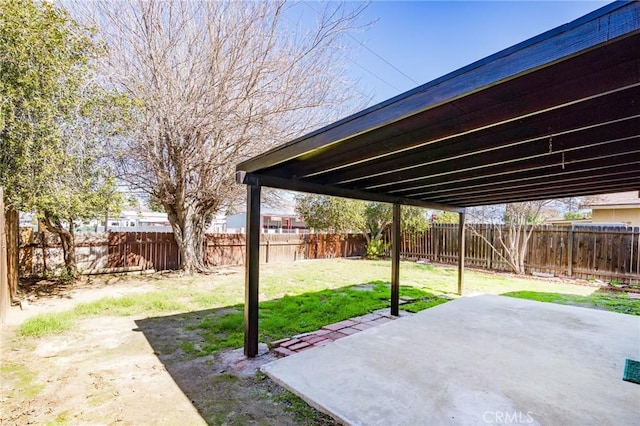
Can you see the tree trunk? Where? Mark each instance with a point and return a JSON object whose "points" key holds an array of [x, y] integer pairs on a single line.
{"points": [[507, 242], [67, 239], [188, 230], [12, 224]]}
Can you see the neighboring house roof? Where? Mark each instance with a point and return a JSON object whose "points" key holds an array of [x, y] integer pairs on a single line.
{"points": [[625, 200]]}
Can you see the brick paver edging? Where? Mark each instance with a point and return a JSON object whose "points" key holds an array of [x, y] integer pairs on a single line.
{"points": [[329, 333]]}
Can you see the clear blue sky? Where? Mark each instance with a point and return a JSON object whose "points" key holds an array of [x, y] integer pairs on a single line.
{"points": [[427, 39]]}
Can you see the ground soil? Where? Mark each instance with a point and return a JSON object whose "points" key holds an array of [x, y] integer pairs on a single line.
{"points": [[125, 370]]}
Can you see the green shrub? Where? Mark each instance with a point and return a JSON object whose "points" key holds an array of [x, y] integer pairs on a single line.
{"points": [[377, 249]]}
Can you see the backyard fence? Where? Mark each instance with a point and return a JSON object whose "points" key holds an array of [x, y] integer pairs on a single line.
{"points": [[590, 252], [136, 251], [606, 253]]}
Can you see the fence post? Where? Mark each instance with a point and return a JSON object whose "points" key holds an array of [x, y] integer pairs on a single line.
{"points": [[5, 297], [490, 228], [267, 253], [434, 241], [570, 252]]}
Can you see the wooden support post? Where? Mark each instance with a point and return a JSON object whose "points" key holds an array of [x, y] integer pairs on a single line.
{"points": [[395, 261], [461, 250], [252, 272]]}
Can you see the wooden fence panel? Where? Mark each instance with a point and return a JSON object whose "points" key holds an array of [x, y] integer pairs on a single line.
{"points": [[607, 253], [125, 251], [326, 246], [477, 248], [547, 250], [224, 249], [142, 251]]}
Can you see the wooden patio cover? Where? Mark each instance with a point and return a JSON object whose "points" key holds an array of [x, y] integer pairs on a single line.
{"points": [[555, 116]]}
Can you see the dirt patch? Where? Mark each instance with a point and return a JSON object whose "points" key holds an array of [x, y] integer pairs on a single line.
{"points": [[131, 370], [42, 296]]}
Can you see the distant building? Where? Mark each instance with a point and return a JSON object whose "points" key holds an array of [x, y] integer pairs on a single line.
{"points": [[218, 225], [271, 223], [135, 221], [28, 220], [560, 221], [621, 207]]}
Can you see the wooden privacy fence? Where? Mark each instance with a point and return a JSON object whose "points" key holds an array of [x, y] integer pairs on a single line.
{"points": [[100, 252], [590, 252], [130, 251], [607, 253], [229, 249]]}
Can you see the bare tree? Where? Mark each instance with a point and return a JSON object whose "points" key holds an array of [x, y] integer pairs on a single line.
{"points": [[512, 230], [217, 82]]}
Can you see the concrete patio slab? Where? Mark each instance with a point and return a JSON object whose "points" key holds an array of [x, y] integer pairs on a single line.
{"points": [[476, 360]]}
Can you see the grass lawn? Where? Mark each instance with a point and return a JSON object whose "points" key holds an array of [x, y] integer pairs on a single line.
{"points": [[303, 296], [600, 299]]}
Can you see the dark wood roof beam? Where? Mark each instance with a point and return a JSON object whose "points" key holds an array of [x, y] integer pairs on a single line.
{"points": [[603, 166], [592, 190], [600, 73], [314, 188], [615, 21], [551, 186], [557, 141], [518, 160], [541, 181], [466, 134], [542, 167]]}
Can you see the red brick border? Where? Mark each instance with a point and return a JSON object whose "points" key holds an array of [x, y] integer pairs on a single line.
{"points": [[329, 333]]}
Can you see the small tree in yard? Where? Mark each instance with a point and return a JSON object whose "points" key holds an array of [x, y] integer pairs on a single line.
{"points": [[83, 187], [443, 217], [216, 82], [332, 214], [379, 217], [371, 219], [47, 94]]}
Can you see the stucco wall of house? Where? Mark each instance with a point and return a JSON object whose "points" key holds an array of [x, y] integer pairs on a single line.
{"points": [[629, 216]]}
